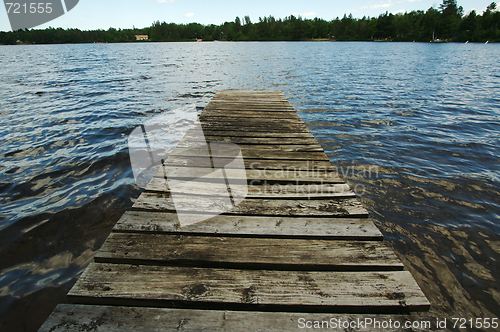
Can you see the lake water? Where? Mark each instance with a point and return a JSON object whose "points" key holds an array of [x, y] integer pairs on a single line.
{"points": [[426, 117]]}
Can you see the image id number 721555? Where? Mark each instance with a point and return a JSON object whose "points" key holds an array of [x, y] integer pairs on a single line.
{"points": [[486, 323], [33, 7]]}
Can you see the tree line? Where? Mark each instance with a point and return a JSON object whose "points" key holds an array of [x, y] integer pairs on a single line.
{"points": [[447, 22]]}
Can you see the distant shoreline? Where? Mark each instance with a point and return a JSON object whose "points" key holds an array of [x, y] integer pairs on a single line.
{"points": [[253, 41], [446, 24]]}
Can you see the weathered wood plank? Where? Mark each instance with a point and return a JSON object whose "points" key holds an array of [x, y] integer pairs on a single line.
{"points": [[253, 140], [272, 123], [253, 99], [266, 121], [210, 288], [236, 134], [292, 176], [269, 191], [249, 148], [249, 95], [252, 121], [252, 108], [270, 164], [342, 207], [220, 115], [250, 100], [265, 95], [254, 154], [247, 253], [252, 226], [268, 107], [246, 129], [73, 317]]}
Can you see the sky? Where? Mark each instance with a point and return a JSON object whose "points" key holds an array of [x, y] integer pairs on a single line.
{"points": [[103, 14]]}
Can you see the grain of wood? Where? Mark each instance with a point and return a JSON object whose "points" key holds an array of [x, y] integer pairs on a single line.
{"points": [[256, 163], [267, 191], [255, 154], [246, 130], [291, 176], [248, 149], [249, 114], [248, 253], [211, 288], [252, 226], [341, 207], [71, 317], [231, 133], [252, 121], [253, 140]]}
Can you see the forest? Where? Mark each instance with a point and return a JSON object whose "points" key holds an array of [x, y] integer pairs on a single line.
{"points": [[445, 23]]}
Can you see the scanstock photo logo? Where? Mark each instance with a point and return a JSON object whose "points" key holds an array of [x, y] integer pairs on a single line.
{"points": [[169, 154], [29, 14]]}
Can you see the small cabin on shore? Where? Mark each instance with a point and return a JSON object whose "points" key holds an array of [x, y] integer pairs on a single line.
{"points": [[141, 37]]}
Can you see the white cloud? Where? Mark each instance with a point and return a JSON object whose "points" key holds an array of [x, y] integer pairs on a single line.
{"points": [[383, 4], [189, 15], [162, 1], [310, 14]]}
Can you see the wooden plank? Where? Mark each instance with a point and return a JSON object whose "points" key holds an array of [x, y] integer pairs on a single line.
{"points": [[261, 119], [254, 123], [252, 130], [253, 226], [270, 191], [253, 140], [205, 118], [250, 100], [249, 148], [220, 115], [232, 132], [248, 94], [223, 106], [220, 126], [74, 317], [254, 154], [270, 164], [247, 253], [342, 207], [292, 176], [268, 95], [230, 92], [263, 290], [266, 107], [253, 96], [236, 134]]}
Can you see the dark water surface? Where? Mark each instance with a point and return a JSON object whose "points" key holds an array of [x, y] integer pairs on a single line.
{"points": [[423, 118]]}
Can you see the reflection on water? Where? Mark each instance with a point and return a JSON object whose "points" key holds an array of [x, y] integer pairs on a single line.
{"points": [[425, 116]]}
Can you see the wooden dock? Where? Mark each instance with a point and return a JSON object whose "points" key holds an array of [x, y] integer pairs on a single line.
{"points": [[299, 245]]}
